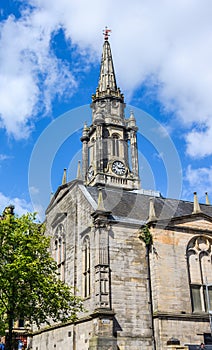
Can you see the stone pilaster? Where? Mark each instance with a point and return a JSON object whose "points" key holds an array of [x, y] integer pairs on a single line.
{"points": [[102, 268], [103, 316]]}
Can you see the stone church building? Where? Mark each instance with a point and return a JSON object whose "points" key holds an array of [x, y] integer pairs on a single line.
{"points": [[142, 263]]}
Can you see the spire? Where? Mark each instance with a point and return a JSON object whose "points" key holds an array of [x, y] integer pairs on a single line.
{"points": [[79, 175], [132, 117], [207, 199], [131, 120], [152, 215], [100, 205], [196, 204], [107, 80], [51, 195], [85, 136], [107, 77], [64, 180]]}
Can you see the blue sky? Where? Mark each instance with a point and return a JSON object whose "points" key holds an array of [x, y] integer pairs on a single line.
{"points": [[49, 66]]}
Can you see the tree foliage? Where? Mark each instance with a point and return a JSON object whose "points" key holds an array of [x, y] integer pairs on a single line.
{"points": [[29, 285], [146, 236]]}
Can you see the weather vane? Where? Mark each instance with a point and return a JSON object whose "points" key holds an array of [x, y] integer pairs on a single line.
{"points": [[106, 32]]}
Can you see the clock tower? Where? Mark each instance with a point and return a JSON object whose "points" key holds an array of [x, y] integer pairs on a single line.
{"points": [[109, 154]]}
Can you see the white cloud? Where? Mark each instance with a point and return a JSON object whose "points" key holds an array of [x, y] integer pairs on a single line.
{"points": [[165, 45], [4, 157], [199, 142], [199, 180], [30, 75], [21, 206]]}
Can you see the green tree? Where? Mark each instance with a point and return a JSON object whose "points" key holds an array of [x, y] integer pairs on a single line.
{"points": [[146, 236], [29, 285]]}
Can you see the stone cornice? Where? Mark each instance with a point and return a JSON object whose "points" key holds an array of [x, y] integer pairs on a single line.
{"points": [[204, 317]]}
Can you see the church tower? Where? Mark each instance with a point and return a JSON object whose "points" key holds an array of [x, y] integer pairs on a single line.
{"points": [[110, 155]]}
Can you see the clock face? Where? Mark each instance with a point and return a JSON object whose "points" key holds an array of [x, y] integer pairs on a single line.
{"points": [[90, 173], [118, 168]]}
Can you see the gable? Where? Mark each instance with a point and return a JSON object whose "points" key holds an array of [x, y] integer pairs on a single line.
{"points": [[61, 192], [195, 221]]}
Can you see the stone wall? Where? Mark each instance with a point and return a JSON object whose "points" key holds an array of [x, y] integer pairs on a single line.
{"points": [[118, 309], [172, 308]]}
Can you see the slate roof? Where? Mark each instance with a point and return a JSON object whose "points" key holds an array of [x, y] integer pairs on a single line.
{"points": [[135, 205]]}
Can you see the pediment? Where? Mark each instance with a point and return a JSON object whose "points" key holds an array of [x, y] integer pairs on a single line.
{"points": [[198, 221]]}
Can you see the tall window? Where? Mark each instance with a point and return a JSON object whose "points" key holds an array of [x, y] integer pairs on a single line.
{"points": [[86, 267], [60, 250], [199, 258], [115, 145]]}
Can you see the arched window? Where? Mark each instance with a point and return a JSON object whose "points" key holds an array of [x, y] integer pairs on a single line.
{"points": [[86, 267], [115, 144], [199, 257], [60, 250]]}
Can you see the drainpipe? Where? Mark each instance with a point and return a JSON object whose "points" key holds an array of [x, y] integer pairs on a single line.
{"points": [[150, 295]]}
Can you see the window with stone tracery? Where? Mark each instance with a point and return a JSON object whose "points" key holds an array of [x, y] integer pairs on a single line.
{"points": [[199, 257], [59, 253], [86, 267]]}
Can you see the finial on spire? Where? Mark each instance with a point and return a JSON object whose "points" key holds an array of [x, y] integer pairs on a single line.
{"points": [[106, 32]]}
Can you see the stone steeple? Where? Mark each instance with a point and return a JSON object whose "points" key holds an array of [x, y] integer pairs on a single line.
{"points": [[107, 80], [107, 77], [110, 155]]}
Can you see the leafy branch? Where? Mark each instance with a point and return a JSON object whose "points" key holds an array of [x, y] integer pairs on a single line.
{"points": [[146, 236]]}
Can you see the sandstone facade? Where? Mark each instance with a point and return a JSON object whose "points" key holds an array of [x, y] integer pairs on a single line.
{"points": [[136, 295]]}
